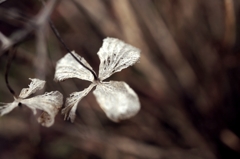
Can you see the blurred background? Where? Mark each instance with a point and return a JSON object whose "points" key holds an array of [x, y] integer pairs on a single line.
{"points": [[187, 80]]}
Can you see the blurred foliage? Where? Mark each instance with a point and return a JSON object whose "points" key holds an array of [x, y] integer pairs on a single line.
{"points": [[187, 79]]}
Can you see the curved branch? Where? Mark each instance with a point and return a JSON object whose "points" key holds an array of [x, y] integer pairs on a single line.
{"points": [[68, 50], [11, 56]]}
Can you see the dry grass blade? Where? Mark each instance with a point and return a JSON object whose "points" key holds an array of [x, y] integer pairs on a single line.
{"points": [[41, 57], [230, 23], [39, 20]]}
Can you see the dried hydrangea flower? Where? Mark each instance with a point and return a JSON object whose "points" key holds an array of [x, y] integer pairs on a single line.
{"points": [[116, 99], [49, 103]]}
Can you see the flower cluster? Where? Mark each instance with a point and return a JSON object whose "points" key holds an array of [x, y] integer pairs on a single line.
{"points": [[50, 102], [116, 99]]}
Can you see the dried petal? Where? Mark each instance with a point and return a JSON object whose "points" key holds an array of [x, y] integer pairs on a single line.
{"points": [[49, 102], [116, 55], [6, 108], [117, 100], [72, 102], [34, 86], [68, 67]]}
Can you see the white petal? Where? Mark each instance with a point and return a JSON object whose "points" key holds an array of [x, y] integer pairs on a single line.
{"points": [[6, 108], [72, 102], [116, 55], [68, 67], [49, 102], [117, 100], [34, 86]]}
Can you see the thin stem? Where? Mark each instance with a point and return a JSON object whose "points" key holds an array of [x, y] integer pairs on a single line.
{"points": [[68, 50], [11, 56]]}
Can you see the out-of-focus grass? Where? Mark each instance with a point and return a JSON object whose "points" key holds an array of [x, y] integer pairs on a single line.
{"points": [[187, 80]]}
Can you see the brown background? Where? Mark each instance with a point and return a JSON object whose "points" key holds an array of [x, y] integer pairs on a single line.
{"points": [[188, 79]]}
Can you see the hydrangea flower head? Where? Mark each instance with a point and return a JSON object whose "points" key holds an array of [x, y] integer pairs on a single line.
{"points": [[50, 102], [115, 98]]}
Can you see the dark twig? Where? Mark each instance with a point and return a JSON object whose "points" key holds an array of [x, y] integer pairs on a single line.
{"points": [[11, 57], [68, 50], [65, 46]]}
